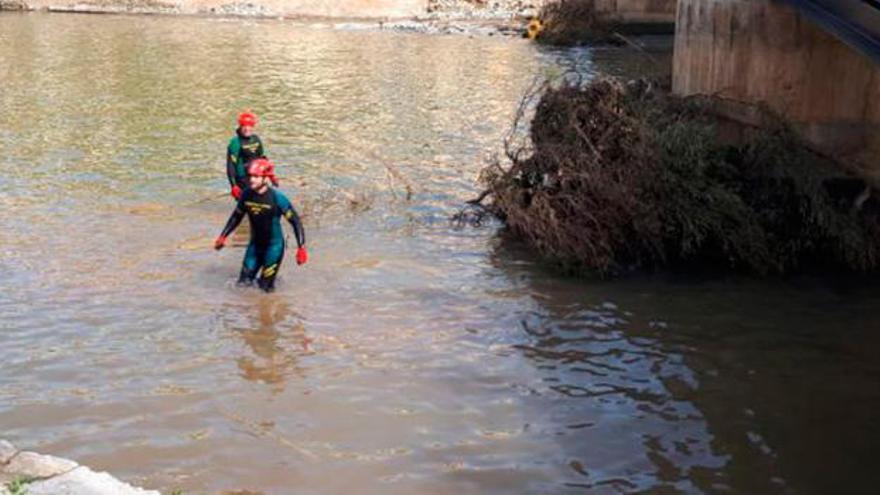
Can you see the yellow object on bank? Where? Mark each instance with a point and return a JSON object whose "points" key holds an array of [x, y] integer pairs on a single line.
{"points": [[534, 28]]}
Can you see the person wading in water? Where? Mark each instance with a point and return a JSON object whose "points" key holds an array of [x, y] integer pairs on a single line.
{"points": [[243, 148], [264, 207]]}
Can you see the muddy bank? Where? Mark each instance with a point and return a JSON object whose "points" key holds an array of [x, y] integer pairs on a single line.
{"points": [[436, 10], [504, 18], [565, 22], [259, 8]]}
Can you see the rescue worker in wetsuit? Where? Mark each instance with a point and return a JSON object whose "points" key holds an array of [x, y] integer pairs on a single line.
{"points": [[243, 148], [264, 207]]}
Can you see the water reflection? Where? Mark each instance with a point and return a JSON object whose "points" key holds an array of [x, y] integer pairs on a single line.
{"points": [[704, 386], [275, 341]]}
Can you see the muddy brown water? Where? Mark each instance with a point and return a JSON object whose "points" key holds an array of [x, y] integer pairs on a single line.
{"points": [[407, 357]]}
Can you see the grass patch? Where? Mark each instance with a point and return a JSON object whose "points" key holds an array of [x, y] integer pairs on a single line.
{"points": [[19, 486]]}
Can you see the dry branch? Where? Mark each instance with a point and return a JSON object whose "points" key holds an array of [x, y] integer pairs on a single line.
{"points": [[615, 177]]}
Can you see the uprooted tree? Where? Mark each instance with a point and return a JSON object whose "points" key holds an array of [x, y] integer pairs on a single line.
{"points": [[614, 177], [570, 22]]}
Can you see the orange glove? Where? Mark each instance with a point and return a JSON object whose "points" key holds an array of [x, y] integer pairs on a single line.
{"points": [[301, 256], [236, 192], [220, 242]]}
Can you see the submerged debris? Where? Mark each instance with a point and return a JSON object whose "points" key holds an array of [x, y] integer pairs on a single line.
{"points": [[614, 178]]}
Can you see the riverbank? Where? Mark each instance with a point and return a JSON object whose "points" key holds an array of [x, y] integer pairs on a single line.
{"points": [[431, 16], [450, 17], [23, 472], [250, 8]]}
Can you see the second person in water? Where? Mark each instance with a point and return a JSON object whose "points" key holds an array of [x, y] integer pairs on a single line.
{"points": [[243, 148]]}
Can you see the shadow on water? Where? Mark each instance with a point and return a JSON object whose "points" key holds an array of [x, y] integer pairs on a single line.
{"points": [[709, 386]]}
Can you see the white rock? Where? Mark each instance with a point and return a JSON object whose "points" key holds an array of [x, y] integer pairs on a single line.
{"points": [[7, 450], [84, 481], [33, 465]]}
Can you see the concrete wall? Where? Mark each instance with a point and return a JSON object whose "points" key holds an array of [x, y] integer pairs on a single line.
{"points": [[763, 52]]}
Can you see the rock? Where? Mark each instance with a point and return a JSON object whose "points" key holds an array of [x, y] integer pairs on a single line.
{"points": [[117, 7], [33, 465], [57, 476], [84, 481], [244, 9], [406, 26], [7, 451], [354, 26], [477, 9], [14, 5]]}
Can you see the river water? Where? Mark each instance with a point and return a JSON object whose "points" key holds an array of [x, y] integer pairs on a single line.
{"points": [[407, 357]]}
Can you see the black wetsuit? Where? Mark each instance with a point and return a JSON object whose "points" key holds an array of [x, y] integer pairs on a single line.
{"points": [[266, 249]]}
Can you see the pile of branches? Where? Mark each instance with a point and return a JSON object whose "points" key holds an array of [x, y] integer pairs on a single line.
{"points": [[612, 177], [571, 22]]}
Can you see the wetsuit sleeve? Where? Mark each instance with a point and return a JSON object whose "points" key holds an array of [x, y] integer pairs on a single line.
{"points": [[260, 151], [232, 161], [293, 217], [235, 218]]}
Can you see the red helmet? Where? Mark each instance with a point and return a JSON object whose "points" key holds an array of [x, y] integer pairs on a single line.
{"points": [[262, 167], [247, 119]]}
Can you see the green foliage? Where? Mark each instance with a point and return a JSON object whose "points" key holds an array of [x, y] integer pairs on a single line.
{"points": [[19, 486]]}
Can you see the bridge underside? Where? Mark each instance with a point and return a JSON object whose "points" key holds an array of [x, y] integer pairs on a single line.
{"points": [[763, 52], [855, 22]]}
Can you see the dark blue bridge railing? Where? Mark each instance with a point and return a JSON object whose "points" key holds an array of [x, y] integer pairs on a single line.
{"points": [[855, 22]]}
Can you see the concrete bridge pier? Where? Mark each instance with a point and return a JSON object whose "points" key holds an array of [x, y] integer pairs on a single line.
{"points": [[764, 52]]}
